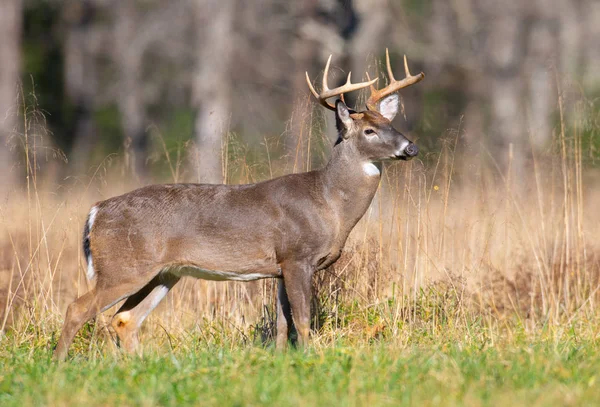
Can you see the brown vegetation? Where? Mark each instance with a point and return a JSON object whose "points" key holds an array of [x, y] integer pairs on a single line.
{"points": [[436, 245]]}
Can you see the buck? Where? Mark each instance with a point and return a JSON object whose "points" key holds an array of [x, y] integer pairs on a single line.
{"points": [[139, 245]]}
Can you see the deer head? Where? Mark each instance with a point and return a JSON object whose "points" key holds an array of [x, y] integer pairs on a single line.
{"points": [[370, 131]]}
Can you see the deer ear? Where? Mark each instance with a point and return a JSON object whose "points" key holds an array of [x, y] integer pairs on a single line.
{"points": [[343, 121], [388, 107]]}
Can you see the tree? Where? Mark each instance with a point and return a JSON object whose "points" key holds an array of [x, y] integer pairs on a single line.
{"points": [[128, 54], [211, 84], [10, 39], [80, 76], [507, 52]]}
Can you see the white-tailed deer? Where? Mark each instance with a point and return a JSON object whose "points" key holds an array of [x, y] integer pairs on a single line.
{"points": [[140, 244]]}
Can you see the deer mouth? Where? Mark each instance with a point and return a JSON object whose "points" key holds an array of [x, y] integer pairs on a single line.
{"points": [[403, 157]]}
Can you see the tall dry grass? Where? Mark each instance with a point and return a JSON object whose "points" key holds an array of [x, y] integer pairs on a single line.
{"points": [[451, 239]]}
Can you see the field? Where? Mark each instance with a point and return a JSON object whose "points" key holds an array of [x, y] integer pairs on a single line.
{"points": [[440, 371], [467, 282]]}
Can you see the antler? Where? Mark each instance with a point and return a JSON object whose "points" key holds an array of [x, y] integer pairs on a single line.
{"points": [[327, 93], [394, 85]]}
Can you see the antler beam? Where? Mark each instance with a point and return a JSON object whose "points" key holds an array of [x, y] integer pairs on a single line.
{"points": [[327, 93], [394, 85]]}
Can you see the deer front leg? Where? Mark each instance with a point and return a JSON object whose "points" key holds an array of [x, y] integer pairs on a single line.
{"points": [[297, 286]]}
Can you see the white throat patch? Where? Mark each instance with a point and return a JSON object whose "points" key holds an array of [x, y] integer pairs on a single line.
{"points": [[371, 169]]}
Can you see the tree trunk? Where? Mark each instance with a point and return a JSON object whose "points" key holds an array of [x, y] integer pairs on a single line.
{"points": [[211, 85], [304, 50], [374, 28], [10, 38], [543, 57], [80, 79], [130, 99], [506, 48]]}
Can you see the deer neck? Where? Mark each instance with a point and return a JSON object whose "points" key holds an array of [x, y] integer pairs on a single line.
{"points": [[350, 184]]}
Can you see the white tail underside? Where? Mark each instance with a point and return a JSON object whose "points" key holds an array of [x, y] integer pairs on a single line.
{"points": [[90, 272]]}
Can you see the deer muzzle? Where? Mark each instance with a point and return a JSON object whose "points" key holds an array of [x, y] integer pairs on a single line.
{"points": [[411, 150]]}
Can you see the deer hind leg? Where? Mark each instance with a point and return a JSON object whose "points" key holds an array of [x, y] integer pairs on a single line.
{"points": [[97, 300], [133, 312]]}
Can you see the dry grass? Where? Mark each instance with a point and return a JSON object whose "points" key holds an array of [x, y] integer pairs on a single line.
{"points": [[437, 249]]}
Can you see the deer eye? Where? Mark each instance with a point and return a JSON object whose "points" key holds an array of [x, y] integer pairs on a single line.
{"points": [[369, 132]]}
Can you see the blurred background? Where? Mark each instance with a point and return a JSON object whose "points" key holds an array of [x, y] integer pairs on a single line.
{"points": [[142, 79]]}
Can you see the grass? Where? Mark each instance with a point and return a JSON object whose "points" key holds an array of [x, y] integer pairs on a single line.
{"points": [[439, 372], [465, 283]]}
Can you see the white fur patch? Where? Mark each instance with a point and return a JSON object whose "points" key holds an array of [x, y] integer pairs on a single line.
{"points": [[215, 275], [91, 273], [400, 152], [371, 169], [156, 297]]}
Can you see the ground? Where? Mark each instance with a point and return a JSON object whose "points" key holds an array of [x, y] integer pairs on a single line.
{"points": [[424, 370]]}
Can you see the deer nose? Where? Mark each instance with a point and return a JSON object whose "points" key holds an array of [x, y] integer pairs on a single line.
{"points": [[411, 150]]}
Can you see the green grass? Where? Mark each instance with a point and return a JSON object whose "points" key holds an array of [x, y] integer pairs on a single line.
{"points": [[447, 373]]}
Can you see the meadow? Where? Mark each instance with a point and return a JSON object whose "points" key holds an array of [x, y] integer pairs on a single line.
{"points": [[467, 282]]}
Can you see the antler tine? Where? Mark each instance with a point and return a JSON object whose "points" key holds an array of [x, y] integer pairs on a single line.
{"points": [[327, 93], [310, 86], [394, 85], [389, 66], [406, 71], [372, 87], [326, 74], [347, 82]]}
